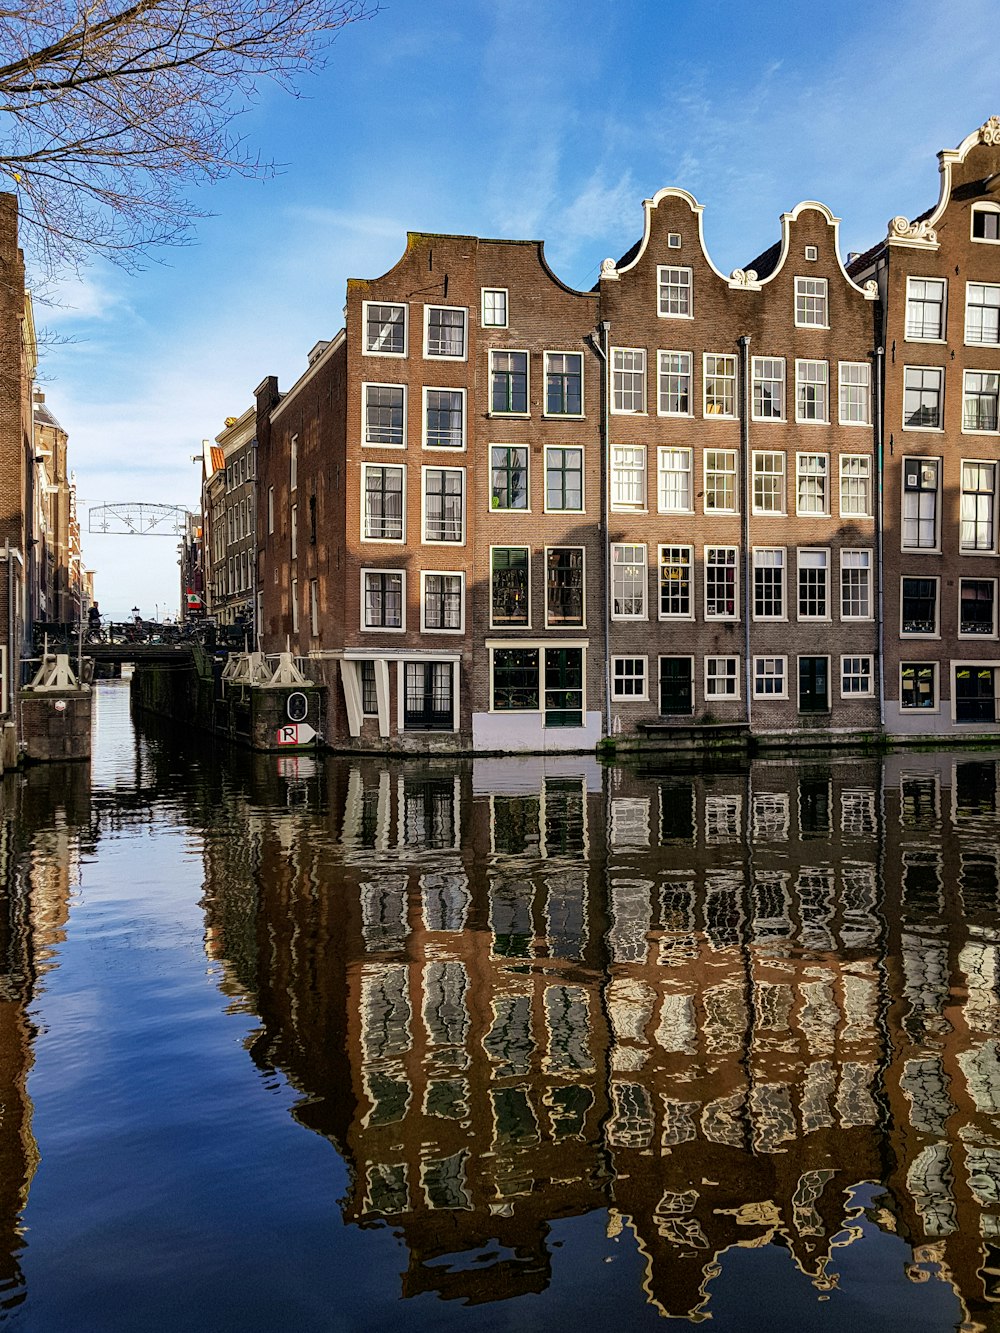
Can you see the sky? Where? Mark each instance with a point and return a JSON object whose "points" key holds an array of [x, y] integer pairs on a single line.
{"points": [[527, 119]]}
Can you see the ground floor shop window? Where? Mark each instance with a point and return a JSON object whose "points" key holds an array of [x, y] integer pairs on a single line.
{"points": [[429, 700], [975, 694], [549, 680], [917, 685]]}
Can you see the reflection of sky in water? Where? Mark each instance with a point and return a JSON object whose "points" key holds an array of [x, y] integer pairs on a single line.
{"points": [[588, 1044]]}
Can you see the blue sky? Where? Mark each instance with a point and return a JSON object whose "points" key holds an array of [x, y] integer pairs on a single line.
{"points": [[541, 119]]}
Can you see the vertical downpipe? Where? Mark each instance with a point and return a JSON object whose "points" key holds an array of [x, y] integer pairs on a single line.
{"points": [[745, 571], [879, 577], [601, 348], [11, 696]]}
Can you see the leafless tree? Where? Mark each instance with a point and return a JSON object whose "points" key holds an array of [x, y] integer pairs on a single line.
{"points": [[111, 113]]}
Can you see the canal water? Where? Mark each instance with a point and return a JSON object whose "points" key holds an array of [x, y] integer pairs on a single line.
{"points": [[359, 1045]]}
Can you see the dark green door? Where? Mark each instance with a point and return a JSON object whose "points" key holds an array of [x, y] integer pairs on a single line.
{"points": [[814, 684], [675, 686]]}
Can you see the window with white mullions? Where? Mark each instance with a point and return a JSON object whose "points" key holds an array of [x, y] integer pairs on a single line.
{"points": [[812, 484], [444, 505], [722, 679], [982, 312], [719, 385], [628, 678], [385, 414], [920, 503], [769, 583], [674, 490], [855, 486], [812, 391], [494, 307], [720, 481], [978, 506], [628, 582], [855, 585], [768, 482], [814, 581], [383, 503], [628, 379], [979, 400], [628, 476], [720, 582], [674, 292], [676, 373], [770, 677], [925, 308], [768, 388], [855, 393], [811, 303], [923, 391], [444, 418], [445, 331], [856, 677], [675, 582]]}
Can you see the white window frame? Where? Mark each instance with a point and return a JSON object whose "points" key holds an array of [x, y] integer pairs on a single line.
{"points": [[513, 413], [295, 605], [918, 462], [801, 474], [923, 370], [270, 509], [758, 676], [662, 472], [812, 289], [622, 564], [494, 291], [504, 625], [383, 629], [712, 677], [378, 444], [758, 377], [935, 633], [583, 480], [757, 457], [618, 393], [962, 521], [991, 286], [314, 608], [446, 356], [846, 478], [760, 551], [447, 574], [375, 351], [940, 336], [857, 674], [381, 541], [561, 624], [616, 695], [714, 374], [983, 208], [437, 541], [562, 416], [500, 509], [978, 638], [800, 565], [663, 282], [935, 676], [845, 369], [804, 382], [867, 569], [734, 473], [293, 532], [443, 448], [628, 506], [979, 430], [675, 615], [293, 463], [664, 372], [733, 564], [538, 647]]}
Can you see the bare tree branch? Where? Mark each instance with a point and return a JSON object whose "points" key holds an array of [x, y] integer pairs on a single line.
{"points": [[111, 113]]}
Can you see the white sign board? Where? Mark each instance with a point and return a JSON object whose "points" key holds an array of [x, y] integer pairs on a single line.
{"points": [[296, 733]]}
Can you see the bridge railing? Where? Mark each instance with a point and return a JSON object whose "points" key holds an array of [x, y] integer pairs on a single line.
{"points": [[68, 636]]}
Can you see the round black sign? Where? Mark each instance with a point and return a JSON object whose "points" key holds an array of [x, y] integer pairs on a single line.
{"points": [[297, 707]]}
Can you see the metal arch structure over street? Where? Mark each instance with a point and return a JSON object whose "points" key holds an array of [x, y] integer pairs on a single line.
{"points": [[138, 519]]}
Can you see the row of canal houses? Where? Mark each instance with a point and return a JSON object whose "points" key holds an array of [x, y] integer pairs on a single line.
{"points": [[496, 513]]}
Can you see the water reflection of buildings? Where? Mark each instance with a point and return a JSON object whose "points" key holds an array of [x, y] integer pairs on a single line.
{"points": [[41, 815], [710, 1004]]}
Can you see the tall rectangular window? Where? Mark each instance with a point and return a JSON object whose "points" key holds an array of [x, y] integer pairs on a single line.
{"points": [[920, 503], [444, 418], [812, 484], [628, 379], [720, 582], [385, 328], [564, 585], [719, 385], [919, 606], [442, 601], [295, 606], [563, 384], [628, 476], [628, 582], [314, 607], [509, 476], [917, 685], [855, 486], [978, 504], [979, 400], [674, 489], [444, 504], [675, 392], [564, 479], [494, 307], [293, 463], [769, 388], [675, 582], [509, 383], [564, 687], [977, 607], [925, 308], [814, 585], [675, 292], [383, 503], [445, 333], [383, 608], [515, 680], [369, 689], [812, 391], [811, 303], [270, 508], [509, 586], [982, 312], [720, 481], [768, 482], [855, 585], [923, 393], [293, 531], [855, 393], [769, 583]]}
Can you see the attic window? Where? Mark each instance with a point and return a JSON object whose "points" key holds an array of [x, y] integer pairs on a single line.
{"points": [[812, 252], [674, 240], [986, 222]]}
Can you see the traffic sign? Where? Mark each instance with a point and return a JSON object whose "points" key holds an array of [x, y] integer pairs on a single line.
{"points": [[296, 733]]}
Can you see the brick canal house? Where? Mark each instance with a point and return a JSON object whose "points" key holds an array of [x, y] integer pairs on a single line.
{"points": [[495, 513]]}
